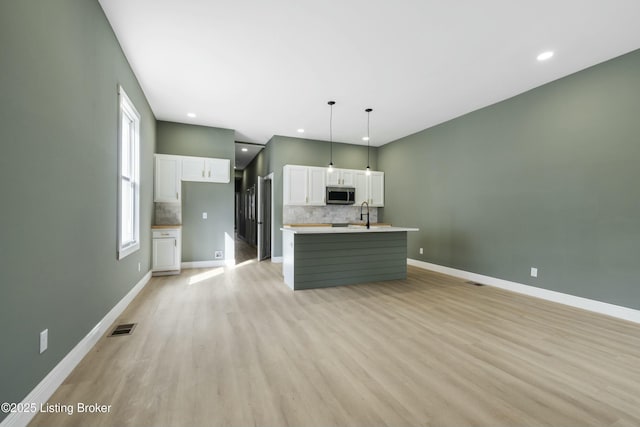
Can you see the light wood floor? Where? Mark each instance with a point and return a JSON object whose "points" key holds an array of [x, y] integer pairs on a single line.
{"points": [[244, 251], [236, 347]]}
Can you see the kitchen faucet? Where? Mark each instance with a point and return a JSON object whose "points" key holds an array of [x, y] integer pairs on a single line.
{"points": [[361, 206]]}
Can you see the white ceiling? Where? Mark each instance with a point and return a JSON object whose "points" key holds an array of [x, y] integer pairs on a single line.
{"points": [[268, 68], [245, 153]]}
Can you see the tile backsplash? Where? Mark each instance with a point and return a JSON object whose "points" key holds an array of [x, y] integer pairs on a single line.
{"points": [[325, 214], [168, 213]]}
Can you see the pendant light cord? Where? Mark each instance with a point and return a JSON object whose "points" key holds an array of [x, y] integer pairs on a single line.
{"points": [[368, 138], [331, 103], [368, 110], [331, 134]]}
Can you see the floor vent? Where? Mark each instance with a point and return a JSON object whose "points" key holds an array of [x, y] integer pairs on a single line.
{"points": [[124, 329], [474, 283]]}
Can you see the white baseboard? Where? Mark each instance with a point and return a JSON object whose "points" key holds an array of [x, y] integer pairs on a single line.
{"points": [[206, 264], [45, 389], [276, 259], [559, 297]]}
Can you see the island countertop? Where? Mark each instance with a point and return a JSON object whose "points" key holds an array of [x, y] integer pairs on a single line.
{"points": [[348, 229]]}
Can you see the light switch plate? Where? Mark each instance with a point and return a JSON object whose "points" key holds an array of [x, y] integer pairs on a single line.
{"points": [[421, 251], [44, 340], [204, 215], [534, 272]]}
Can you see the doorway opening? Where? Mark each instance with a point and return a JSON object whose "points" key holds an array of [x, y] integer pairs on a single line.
{"points": [[245, 239]]}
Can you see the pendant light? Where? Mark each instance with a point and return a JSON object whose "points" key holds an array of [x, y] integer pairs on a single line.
{"points": [[331, 104], [368, 111]]}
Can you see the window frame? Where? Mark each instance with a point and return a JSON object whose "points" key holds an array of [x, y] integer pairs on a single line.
{"points": [[128, 110]]}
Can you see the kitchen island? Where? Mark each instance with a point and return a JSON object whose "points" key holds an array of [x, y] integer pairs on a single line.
{"points": [[320, 257]]}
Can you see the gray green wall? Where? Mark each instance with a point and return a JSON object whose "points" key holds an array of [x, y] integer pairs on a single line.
{"points": [[202, 237], [259, 166], [61, 66], [282, 150], [547, 179]]}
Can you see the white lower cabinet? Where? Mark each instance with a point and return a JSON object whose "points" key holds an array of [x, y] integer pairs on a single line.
{"points": [[167, 251]]}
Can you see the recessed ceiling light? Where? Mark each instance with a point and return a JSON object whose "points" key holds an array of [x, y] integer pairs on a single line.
{"points": [[545, 55], [365, 138], [300, 130], [192, 115], [244, 149]]}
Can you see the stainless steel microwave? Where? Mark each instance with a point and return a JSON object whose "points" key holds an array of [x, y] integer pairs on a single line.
{"points": [[341, 195]]}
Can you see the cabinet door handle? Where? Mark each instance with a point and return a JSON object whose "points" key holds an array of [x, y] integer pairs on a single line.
{"points": [[209, 174], [203, 173], [175, 243], [177, 195]]}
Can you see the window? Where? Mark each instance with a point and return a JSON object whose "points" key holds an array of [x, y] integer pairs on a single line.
{"points": [[128, 176]]}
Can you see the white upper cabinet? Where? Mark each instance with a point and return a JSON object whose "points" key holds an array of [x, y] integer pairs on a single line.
{"points": [[304, 185], [193, 168], [369, 188], [202, 169], [361, 186], [376, 189], [171, 170], [333, 178], [317, 186], [167, 179], [339, 177], [218, 170], [295, 185]]}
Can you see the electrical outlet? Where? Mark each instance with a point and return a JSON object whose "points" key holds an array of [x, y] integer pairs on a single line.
{"points": [[218, 255], [204, 215], [534, 272], [44, 340], [421, 251]]}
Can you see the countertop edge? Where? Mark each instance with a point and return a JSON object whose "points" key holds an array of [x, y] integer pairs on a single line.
{"points": [[342, 230]]}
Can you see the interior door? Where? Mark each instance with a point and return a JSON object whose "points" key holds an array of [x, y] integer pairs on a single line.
{"points": [[252, 215], [264, 218]]}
